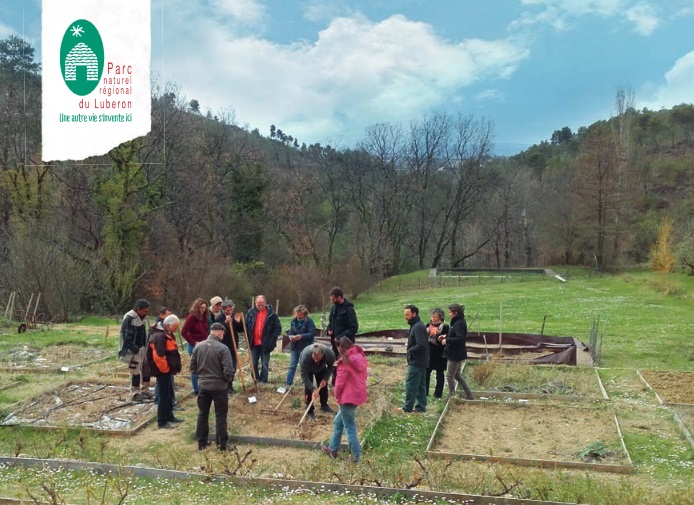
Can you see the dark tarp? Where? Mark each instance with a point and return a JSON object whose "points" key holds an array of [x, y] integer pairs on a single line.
{"points": [[480, 345]]}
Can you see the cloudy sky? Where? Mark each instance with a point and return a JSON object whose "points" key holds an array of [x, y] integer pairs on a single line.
{"points": [[324, 70]]}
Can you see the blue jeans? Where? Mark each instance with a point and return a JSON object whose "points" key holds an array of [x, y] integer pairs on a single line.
{"points": [[193, 377], [293, 363], [344, 421], [415, 389], [259, 354]]}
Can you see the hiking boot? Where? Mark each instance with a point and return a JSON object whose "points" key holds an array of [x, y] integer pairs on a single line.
{"points": [[175, 420], [202, 446], [167, 426], [326, 450], [311, 416], [327, 408]]}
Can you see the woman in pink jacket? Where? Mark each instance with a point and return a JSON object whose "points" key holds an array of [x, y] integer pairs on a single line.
{"points": [[350, 392]]}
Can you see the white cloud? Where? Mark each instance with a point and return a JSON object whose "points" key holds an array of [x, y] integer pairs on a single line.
{"points": [[677, 88], [246, 12], [324, 10], [561, 14], [644, 18], [356, 73], [489, 94]]}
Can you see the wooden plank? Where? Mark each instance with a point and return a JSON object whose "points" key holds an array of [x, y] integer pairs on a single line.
{"points": [[317, 487], [602, 388], [541, 463], [438, 423]]}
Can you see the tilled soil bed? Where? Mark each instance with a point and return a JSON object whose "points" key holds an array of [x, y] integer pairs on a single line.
{"points": [[260, 419], [672, 387], [528, 431]]}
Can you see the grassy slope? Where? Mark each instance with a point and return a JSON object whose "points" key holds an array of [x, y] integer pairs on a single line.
{"points": [[646, 326]]}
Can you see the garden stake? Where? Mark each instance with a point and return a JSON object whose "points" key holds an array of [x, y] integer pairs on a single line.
{"points": [[250, 356]]}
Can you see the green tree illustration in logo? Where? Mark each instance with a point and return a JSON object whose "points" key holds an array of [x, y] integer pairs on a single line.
{"points": [[82, 57]]}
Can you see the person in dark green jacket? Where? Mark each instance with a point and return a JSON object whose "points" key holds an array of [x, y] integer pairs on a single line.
{"points": [[417, 363]]}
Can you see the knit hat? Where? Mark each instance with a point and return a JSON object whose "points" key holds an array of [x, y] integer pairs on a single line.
{"points": [[215, 300]]}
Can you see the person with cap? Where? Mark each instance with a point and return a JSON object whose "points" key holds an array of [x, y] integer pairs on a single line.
{"points": [[233, 325], [316, 363], [264, 328], [164, 362], [133, 341], [163, 313], [455, 350], [211, 363], [215, 309], [195, 330]]}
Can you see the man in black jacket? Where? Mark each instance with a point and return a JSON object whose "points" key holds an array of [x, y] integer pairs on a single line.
{"points": [[342, 321], [417, 363]]}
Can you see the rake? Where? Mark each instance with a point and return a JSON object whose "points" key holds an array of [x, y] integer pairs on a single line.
{"points": [[274, 411]]}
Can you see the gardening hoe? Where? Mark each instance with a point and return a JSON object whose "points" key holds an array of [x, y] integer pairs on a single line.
{"points": [[238, 358], [313, 400], [250, 356], [284, 397]]}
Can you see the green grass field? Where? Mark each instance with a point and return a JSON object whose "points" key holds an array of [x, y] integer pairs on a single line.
{"points": [[647, 320], [648, 324]]}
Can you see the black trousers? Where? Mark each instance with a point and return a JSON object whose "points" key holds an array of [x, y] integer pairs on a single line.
{"points": [[322, 394], [220, 399], [440, 380], [165, 405]]}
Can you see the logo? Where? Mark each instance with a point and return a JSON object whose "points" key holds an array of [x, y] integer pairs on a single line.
{"points": [[82, 57]]}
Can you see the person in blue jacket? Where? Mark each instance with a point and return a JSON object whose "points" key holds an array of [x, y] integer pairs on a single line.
{"points": [[301, 334]]}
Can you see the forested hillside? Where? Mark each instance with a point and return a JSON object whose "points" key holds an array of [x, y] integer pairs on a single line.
{"points": [[201, 206]]}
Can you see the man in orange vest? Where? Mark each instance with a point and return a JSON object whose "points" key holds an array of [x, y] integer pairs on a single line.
{"points": [[164, 362]]}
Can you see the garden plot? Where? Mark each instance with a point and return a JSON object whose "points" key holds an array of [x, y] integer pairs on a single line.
{"points": [[672, 387], [52, 358], [531, 435], [263, 421], [497, 377], [93, 405]]}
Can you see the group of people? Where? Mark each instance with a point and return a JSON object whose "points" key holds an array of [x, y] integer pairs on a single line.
{"points": [[434, 348], [212, 337], [212, 334]]}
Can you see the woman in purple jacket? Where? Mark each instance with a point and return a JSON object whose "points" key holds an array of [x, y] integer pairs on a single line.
{"points": [[350, 392]]}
